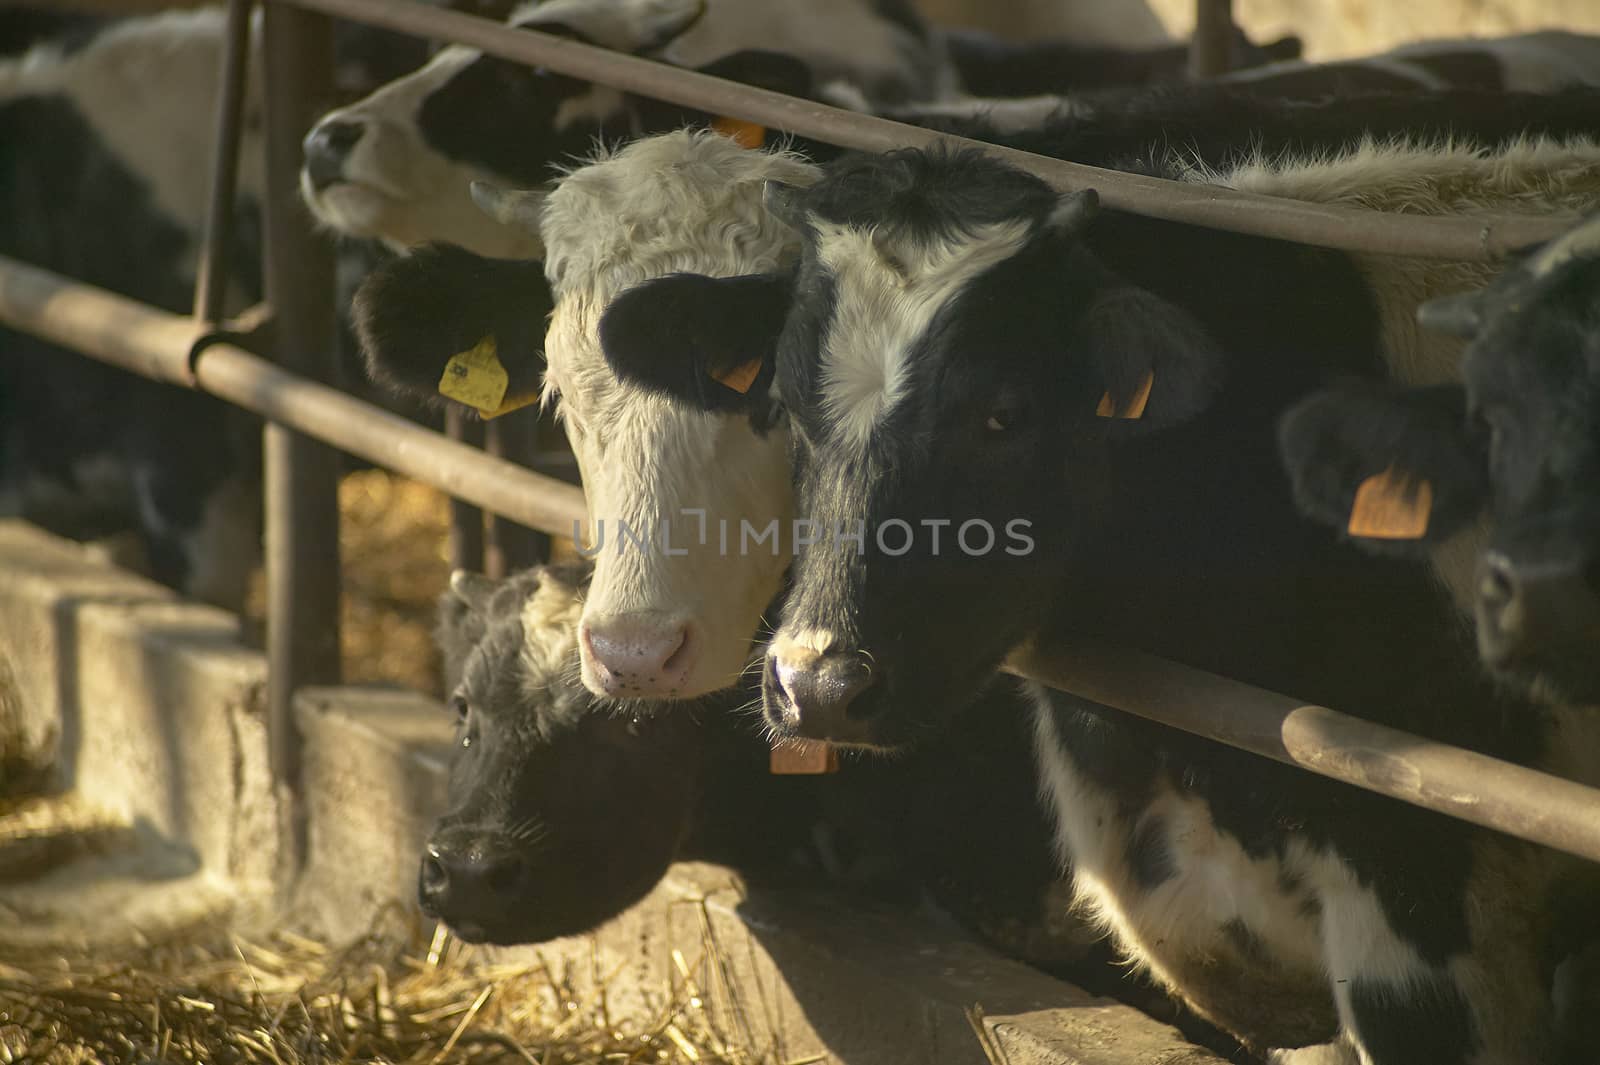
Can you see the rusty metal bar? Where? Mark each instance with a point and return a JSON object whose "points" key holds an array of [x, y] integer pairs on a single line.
{"points": [[211, 279], [1463, 784], [509, 547], [1480, 237], [466, 520], [302, 473], [156, 344], [1211, 47]]}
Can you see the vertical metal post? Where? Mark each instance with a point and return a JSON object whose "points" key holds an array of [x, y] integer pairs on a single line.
{"points": [[1211, 48], [466, 520], [509, 547], [302, 505], [211, 279]]}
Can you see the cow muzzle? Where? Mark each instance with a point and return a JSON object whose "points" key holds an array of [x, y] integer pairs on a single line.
{"points": [[638, 656], [1539, 612], [472, 882], [820, 695]]}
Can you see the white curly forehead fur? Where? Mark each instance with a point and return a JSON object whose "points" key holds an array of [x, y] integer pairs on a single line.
{"points": [[684, 201]]}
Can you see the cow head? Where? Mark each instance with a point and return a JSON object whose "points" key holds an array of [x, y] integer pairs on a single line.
{"points": [[398, 165], [1518, 440], [689, 505], [562, 810], [948, 342]]}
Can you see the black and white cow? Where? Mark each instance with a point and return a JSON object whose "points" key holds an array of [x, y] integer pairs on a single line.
{"points": [[1011, 419], [103, 150], [564, 808], [1518, 438], [679, 625], [398, 164]]}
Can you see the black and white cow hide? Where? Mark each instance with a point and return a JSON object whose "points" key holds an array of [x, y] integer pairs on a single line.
{"points": [[1085, 409]]}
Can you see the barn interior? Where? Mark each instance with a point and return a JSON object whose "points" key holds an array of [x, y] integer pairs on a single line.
{"points": [[169, 893]]}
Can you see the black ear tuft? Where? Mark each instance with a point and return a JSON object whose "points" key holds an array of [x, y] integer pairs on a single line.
{"points": [[709, 342], [416, 311], [1340, 437], [1136, 337]]}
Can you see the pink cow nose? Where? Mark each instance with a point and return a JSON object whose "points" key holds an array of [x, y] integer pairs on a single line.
{"points": [[634, 656]]}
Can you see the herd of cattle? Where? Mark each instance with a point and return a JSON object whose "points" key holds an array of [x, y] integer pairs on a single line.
{"points": [[855, 427]]}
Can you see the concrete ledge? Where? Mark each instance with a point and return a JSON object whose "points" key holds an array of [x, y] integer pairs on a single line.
{"points": [[147, 706], [808, 972]]}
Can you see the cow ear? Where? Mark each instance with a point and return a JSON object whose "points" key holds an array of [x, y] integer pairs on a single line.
{"points": [[1157, 366], [710, 342], [518, 209], [1396, 469], [471, 590], [415, 312]]}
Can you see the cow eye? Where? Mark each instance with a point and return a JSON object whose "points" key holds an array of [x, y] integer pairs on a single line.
{"points": [[1003, 419]]}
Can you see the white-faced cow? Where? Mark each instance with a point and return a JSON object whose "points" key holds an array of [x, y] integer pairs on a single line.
{"points": [[675, 619], [529, 848], [1519, 438], [1012, 419]]}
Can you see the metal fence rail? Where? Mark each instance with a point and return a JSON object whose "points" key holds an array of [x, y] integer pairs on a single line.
{"points": [[1499, 795], [1345, 228]]}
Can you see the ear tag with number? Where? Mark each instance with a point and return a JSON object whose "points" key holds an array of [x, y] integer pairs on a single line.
{"points": [[1391, 506], [1136, 405], [476, 378], [744, 134], [801, 757], [740, 377]]}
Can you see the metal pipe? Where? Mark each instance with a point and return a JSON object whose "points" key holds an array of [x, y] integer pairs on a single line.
{"points": [[1463, 784], [466, 520], [211, 279], [1211, 47], [156, 344], [1480, 237], [301, 473]]}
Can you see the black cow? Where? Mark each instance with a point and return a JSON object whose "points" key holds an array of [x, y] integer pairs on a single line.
{"points": [[1082, 413], [564, 808], [1519, 438]]}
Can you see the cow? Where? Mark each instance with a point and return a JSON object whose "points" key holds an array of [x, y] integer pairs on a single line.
{"points": [[1518, 439], [106, 130], [398, 164], [529, 848], [673, 625], [1012, 420], [101, 151]]}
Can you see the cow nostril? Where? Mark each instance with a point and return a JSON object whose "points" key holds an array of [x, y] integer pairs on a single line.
{"points": [[678, 657], [341, 136], [435, 876], [327, 147]]}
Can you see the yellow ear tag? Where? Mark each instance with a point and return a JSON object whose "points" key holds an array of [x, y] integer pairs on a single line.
{"points": [[741, 377], [801, 757], [476, 378], [744, 134], [1136, 405], [1391, 506]]}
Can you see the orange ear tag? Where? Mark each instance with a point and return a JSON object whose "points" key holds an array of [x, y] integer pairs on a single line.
{"points": [[741, 377], [803, 757], [744, 134], [1391, 506], [1136, 405], [476, 378]]}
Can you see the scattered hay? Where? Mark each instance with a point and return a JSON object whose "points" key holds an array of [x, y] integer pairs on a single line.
{"points": [[388, 998]]}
